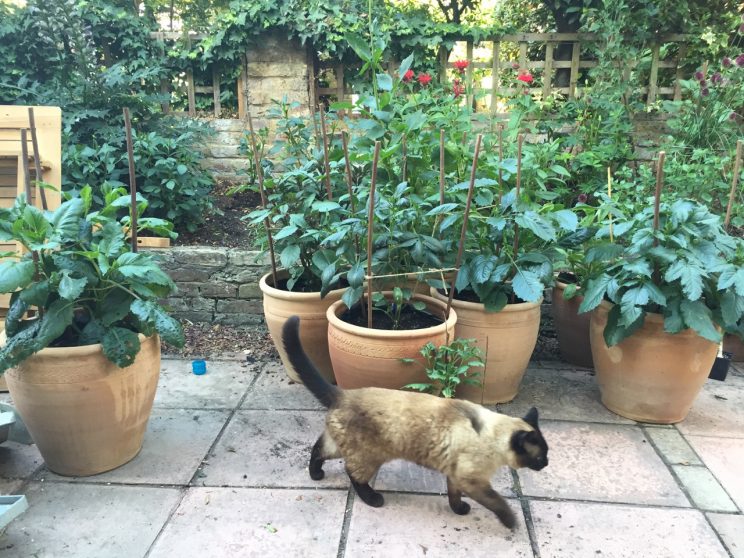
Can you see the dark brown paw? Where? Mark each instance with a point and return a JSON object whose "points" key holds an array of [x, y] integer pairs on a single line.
{"points": [[375, 500], [462, 509], [317, 475], [507, 518]]}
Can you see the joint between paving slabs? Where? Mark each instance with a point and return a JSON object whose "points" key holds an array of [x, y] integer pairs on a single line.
{"points": [[526, 512], [346, 523]]}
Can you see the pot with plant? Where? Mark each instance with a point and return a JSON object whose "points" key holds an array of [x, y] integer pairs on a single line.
{"points": [[659, 310], [373, 334], [298, 211], [449, 366], [83, 370]]}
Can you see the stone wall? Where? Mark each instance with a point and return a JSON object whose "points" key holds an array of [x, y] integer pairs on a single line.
{"points": [[215, 285]]}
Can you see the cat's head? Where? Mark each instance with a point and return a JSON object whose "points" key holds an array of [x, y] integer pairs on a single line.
{"points": [[529, 446]]}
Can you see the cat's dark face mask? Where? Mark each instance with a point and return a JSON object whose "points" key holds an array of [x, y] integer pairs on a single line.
{"points": [[529, 446]]}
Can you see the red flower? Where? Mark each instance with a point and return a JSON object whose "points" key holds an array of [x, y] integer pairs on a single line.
{"points": [[525, 77], [583, 198], [740, 60], [704, 91], [424, 79], [699, 76], [460, 65], [408, 76], [732, 116], [457, 88], [726, 62], [515, 66], [716, 78]]}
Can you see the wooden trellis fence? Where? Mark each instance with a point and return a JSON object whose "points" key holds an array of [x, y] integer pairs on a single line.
{"points": [[547, 66]]}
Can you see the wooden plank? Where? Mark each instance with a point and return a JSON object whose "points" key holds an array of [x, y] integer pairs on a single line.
{"points": [[495, 74], [190, 92], [339, 73], [203, 89], [469, 72], [677, 94], [165, 91], [216, 91], [523, 56], [443, 61], [548, 73], [243, 88], [574, 79], [311, 78], [153, 242], [653, 78]]}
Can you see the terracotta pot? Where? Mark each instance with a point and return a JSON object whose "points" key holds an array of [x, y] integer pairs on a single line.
{"points": [[506, 339], [734, 345], [572, 328], [652, 376], [86, 414], [279, 305], [364, 357]]}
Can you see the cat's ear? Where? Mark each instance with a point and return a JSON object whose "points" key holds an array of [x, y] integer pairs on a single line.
{"points": [[531, 418]]}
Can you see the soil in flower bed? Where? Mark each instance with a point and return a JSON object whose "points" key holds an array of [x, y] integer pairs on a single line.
{"points": [[410, 318], [223, 227], [251, 343]]}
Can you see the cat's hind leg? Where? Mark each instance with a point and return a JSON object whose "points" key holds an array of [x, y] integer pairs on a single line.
{"points": [[484, 494], [360, 473], [454, 495], [324, 448]]}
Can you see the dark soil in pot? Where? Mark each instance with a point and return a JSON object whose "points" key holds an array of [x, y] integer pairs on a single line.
{"points": [[410, 318]]}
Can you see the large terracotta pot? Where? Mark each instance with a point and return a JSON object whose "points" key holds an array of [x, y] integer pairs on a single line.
{"points": [[364, 357], [506, 339], [279, 305], [86, 414], [652, 376], [572, 328], [734, 345]]}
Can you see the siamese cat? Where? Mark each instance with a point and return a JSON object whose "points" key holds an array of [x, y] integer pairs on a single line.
{"points": [[368, 427]]}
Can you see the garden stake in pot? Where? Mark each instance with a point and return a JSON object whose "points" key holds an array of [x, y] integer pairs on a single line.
{"points": [[520, 139], [327, 166], [349, 182], [26, 172], [37, 157], [657, 202], [259, 177], [405, 157], [370, 230], [501, 158], [609, 195], [132, 180], [734, 182], [471, 187], [441, 166]]}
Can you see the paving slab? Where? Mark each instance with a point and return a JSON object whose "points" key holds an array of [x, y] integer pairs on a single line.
{"points": [[705, 491], [88, 521], [419, 525], [718, 410], [18, 461], [224, 522], [275, 390], [561, 394], [725, 459], [731, 530], [175, 444], [673, 446], [602, 462], [270, 449], [220, 388], [404, 476], [576, 529]]}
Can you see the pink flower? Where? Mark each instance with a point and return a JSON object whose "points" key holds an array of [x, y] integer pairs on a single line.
{"points": [[458, 89], [703, 83], [726, 62], [525, 77], [740, 60], [460, 65], [515, 66], [716, 78], [408, 76], [583, 198], [424, 79], [732, 116], [699, 76], [704, 91]]}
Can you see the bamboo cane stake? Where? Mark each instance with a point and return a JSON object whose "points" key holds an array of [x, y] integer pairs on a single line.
{"points": [[37, 157], [734, 182], [441, 166], [520, 139], [501, 158], [370, 231], [405, 157], [461, 246], [329, 192], [609, 195], [132, 179], [264, 202], [659, 185], [349, 183], [26, 173]]}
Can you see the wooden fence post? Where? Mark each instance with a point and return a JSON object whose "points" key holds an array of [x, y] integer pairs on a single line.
{"points": [[469, 74], [495, 75], [653, 78], [574, 79], [548, 71], [216, 91]]}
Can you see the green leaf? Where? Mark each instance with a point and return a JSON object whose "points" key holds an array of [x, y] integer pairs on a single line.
{"points": [[326, 279], [15, 275], [733, 276], [54, 322], [289, 230], [444, 208], [115, 306], [36, 294], [359, 45], [324, 206], [699, 317], [463, 277], [355, 276], [615, 332], [534, 222], [120, 346], [673, 322], [70, 288], [415, 120], [290, 255], [566, 219], [92, 333], [527, 286], [384, 82], [16, 311], [405, 66], [595, 291], [482, 267], [352, 295], [419, 305], [66, 219], [20, 346]]}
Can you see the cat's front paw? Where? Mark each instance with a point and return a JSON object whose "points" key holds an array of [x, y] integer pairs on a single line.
{"points": [[507, 518], [463, 508], [317, 474]]}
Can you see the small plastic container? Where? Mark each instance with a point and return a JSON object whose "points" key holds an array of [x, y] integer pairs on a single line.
{"points": [[199, 367]]}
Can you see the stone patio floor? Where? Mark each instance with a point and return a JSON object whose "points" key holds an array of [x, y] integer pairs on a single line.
{"points": [[223, 472]]}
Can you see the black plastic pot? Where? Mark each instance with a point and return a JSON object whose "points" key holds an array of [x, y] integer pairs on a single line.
{"points": [[720, 367]]}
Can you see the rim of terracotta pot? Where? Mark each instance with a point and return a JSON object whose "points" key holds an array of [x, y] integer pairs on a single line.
{"points": [[272, 291], [338, 306], [67, 352], [467, 305]]}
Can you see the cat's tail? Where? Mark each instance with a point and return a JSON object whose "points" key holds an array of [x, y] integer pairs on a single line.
{"points": [[324, 392]]}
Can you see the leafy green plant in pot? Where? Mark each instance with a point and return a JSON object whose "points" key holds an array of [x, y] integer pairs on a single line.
{"points": [[299, 211], [660, 309], [511, 246], [449, 366], [83, 370]]}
